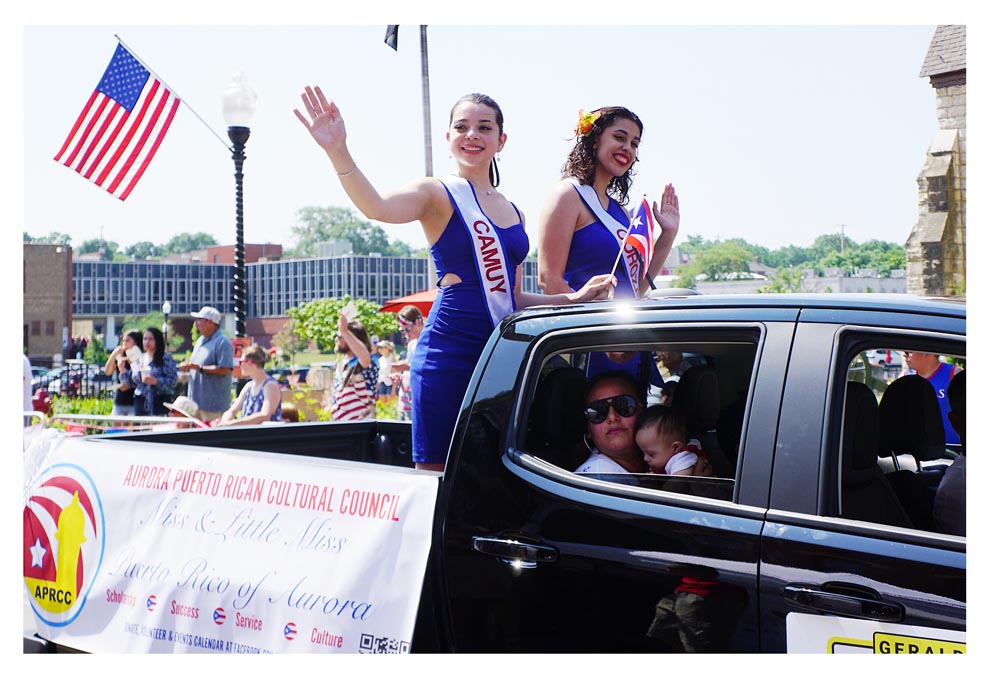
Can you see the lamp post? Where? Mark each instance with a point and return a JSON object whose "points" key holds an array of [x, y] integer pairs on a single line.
{"points": [[239, 103], [166, 309]]}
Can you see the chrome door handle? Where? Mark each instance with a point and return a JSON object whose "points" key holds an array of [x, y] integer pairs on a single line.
{"points": [[847, 605], [513, 552]]}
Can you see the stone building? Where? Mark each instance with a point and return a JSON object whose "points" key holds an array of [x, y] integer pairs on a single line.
{"points": [[936, 248]]}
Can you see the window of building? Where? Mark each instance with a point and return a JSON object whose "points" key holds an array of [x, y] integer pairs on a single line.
{"points": [[35, 327], [49, 328]]}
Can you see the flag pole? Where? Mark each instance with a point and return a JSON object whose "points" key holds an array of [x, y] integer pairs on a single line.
{"points": [[172, 90]]}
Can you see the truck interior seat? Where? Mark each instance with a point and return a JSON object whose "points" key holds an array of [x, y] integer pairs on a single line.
{"points": [[556, 424], [866, 494], [697, 397], [911, 427]]}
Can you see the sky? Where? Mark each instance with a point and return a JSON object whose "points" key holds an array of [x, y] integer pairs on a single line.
{"points": [[774, 134]]}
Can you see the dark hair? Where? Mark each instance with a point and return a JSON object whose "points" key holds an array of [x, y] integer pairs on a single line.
{"points": [[357, 329], [617, 376], [410, 313], [136, 337], [582, 161], [483, 100], [668, 422], [159, 356]]}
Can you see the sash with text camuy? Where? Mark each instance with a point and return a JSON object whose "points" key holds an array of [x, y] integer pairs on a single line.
{"points": [[489, 256], [143, 547], [616, 228]]}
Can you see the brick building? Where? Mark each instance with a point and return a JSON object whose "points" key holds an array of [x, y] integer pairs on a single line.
{"points": [[936, 248], [47, 300]]}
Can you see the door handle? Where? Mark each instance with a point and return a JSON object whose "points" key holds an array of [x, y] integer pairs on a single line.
{"points": [[512, 552], [848, 605]]}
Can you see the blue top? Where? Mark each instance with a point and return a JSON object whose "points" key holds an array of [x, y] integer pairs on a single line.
{"points": [[211, 392], [594, 251], [454, 335], [167, 376], [253, 401]]}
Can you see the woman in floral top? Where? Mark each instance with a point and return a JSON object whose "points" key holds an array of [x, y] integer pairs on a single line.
{"points": [[157, 378]]}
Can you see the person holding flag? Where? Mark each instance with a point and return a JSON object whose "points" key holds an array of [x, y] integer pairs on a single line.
{"points": [[585, 229], [478, 241]]}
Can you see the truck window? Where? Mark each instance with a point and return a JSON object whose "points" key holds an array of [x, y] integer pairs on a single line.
{"points": [[895, 441], [706, 382]]}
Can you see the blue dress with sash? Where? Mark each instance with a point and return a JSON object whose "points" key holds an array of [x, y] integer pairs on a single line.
{"points": [[593, 251], [454, 335]]}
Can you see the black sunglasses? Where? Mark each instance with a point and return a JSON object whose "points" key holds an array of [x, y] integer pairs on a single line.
{"points": [[623, 404]]}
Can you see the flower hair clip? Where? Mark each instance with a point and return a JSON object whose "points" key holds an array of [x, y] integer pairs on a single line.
{"points": [[585, 122]]}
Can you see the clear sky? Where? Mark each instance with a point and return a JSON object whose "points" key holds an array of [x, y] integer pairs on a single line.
{"points": [[775, 134]]}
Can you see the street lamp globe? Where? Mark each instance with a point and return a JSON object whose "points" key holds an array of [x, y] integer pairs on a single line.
{"points": [[239, 101], [166, 310]]}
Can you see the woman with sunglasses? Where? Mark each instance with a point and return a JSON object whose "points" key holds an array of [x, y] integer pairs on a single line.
{"points": [[478, 241], [612, 403], [261, 399], [584, 220]]}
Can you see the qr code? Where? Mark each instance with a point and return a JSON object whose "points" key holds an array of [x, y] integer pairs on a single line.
{"points": [[373, 644]]}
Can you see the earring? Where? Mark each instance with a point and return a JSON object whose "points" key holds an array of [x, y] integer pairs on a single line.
{"points": [[587, 444], [498, 157]]}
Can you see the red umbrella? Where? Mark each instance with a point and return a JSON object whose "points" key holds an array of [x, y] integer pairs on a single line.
{"points": [[422, 300]]}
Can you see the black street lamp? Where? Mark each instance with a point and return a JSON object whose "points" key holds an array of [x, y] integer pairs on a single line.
{"points": [[239, 103]]}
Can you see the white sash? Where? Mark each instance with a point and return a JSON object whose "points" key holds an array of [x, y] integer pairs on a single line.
{"points": [[489, 258], [616, 228]]}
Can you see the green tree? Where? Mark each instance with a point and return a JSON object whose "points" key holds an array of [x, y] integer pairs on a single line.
{"points": [[785, 280], [143, 250], [54, 237], [186, 242], [716, 262], [155, 319], [317, 320], [320, 224], [94, 244], [96, 351], [288, 340]]}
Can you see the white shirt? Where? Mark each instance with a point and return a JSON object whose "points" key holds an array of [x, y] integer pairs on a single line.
{"points": [[598, 463], [28, 401], [385, 370]]}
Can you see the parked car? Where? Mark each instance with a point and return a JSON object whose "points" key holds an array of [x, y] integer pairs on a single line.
{"points": [[78, 378], [290, 375]]}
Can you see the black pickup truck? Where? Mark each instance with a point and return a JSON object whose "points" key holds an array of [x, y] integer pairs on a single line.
{"points": [[815, 534]]}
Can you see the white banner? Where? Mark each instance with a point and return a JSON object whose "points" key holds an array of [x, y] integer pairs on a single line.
{"points": [[144, 547], [807, 633]]}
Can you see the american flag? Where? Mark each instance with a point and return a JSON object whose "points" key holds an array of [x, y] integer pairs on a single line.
{"points": [[641, 230], [120, 127]]}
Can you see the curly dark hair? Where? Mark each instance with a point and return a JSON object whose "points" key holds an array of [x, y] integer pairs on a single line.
{"points": [[581, 161], [483, 100]]}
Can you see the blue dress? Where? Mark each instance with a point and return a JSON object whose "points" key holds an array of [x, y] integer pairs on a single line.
{"points": [[454, 335], [593, 251]]}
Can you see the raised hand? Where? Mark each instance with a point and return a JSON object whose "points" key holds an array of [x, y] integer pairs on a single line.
{"points": [[324, 123], [668, 214], [599, 287]]}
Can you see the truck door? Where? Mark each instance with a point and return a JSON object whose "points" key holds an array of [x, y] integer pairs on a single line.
{"points": [[536, 558], [851, 562]]}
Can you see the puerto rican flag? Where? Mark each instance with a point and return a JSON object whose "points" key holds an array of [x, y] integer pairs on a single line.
{"points": [[151, 602], [641, 230], [219, 616], [290, 631]]}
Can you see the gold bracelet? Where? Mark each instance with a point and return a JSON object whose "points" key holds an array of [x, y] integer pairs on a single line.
{"points": [[344, 174]]}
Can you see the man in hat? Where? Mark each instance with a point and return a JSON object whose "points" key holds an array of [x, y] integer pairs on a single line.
{"points": [[210, 366]]}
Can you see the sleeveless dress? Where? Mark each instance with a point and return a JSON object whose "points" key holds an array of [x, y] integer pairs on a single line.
{"points": [[454, 335], [253, 401], [593, 251]]}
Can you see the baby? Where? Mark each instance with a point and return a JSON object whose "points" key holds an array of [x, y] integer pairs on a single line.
{"points": [[661, 433]]}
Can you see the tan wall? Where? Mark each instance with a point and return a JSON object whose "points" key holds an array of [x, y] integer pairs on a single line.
{"points": [[47, 299]]}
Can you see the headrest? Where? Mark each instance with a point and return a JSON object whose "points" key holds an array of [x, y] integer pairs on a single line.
{"points": [[557, 415], [859, 428], [697, 397], [910, 419]]}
